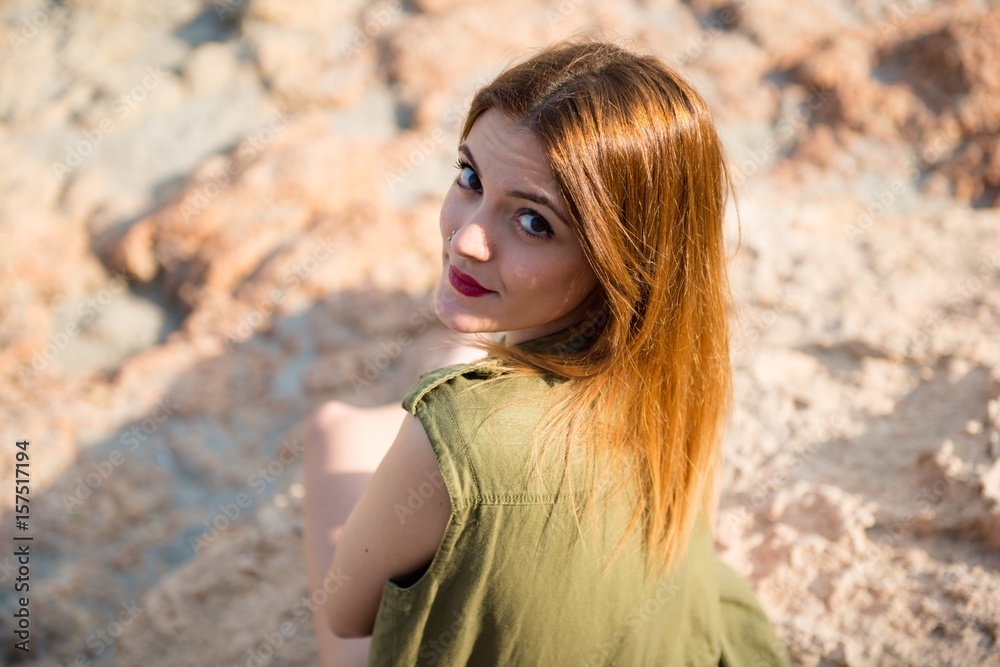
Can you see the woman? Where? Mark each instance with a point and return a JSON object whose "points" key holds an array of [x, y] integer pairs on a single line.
{"points": [[550, 504]]}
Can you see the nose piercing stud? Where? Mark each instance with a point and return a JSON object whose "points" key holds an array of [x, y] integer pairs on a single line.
{"points": [[452, 234]]}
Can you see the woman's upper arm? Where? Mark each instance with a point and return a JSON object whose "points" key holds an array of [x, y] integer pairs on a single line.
{"points": [[385, 537]]}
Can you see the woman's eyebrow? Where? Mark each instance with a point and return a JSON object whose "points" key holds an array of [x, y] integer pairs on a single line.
{"points": [[535, 197], [464, 149]]}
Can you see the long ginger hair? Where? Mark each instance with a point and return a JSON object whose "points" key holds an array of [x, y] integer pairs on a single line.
{"points": [[640, 166]]}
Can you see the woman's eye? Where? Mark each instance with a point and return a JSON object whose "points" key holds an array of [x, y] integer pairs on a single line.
{"points": [[467, 177], [533, 224]]}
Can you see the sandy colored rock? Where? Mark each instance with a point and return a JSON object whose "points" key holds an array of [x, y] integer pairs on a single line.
{"points": [[788, 32], [927, 73], [246, 567], [310, 68]]}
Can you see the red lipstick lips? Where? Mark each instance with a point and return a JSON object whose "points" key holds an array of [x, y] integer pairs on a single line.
{"points": [[465, 284]]}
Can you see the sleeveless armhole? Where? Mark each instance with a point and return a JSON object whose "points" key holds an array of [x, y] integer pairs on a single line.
{"points": [[430, 401]]}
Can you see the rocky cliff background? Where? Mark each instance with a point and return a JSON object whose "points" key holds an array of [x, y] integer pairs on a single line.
{"points": [[216, 216]]}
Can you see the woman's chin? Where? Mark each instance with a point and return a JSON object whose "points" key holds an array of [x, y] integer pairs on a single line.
{"points": [[462, 324], [459, 321]]}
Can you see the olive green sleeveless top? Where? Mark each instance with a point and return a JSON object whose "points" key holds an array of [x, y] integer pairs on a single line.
{"points": [[514, 583]]}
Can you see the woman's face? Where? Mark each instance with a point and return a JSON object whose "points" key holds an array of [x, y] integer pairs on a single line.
{"points": [[512, 264]]}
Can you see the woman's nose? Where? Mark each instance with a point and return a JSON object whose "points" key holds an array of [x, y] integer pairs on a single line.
{"points": [[472, 240]]}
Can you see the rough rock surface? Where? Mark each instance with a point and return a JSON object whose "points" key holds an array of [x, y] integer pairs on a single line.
{"points": [[216, 216]]}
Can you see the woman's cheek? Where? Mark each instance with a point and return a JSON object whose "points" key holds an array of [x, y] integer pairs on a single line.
{"points": [[449, 211], [523, 275]]}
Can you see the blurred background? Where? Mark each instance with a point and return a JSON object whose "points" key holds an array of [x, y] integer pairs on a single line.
{"points": [[214, 216]]}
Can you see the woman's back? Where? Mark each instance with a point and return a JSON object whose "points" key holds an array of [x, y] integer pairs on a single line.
{"points": [[513, 582]]}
